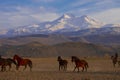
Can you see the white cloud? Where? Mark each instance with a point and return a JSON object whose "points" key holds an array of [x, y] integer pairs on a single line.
{"points": [[45, 16], [108, 16], [25, 16]]}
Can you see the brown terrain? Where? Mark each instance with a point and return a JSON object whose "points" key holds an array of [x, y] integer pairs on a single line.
{"points": [[43, 52], [100, 68]]}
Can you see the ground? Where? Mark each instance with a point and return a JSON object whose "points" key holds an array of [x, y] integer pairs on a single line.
{"points": [[47, 69]]}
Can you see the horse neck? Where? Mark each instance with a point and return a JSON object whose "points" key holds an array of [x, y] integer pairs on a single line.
{"points": [[12, 61], [18, 59]]}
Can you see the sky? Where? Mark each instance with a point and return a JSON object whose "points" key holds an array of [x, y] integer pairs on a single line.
{"points": [[16, 13]]}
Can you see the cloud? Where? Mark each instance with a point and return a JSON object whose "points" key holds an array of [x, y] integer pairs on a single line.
{"points": [[26, 15], [37, 11], [108, 16]]}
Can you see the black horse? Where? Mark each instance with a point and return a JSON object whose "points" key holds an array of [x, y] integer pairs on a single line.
{"points": [[62, 63], [79, 63], [6, 62], [115, 59]]}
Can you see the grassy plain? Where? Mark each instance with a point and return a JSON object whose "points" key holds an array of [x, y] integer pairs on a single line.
{"points": [[47, 69]]}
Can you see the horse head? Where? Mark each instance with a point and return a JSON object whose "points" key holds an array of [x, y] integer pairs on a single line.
{"points": [[15, 57], [59, 58], [74, 58]]}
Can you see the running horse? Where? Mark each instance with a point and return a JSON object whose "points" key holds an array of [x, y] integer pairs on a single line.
{"points": [[62, 63], [6, 62], [79, 63], [22, 62], [115, 59]]}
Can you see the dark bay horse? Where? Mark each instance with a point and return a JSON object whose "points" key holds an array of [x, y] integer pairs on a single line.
{"points": [[62, 63], [6, 62], [115, 59], [79, 63], [22, 62]]}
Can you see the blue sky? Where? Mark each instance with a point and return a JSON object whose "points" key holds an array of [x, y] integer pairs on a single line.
{"points": [[14, 13]]}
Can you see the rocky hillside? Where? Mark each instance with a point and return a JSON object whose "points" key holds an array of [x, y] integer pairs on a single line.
{"points": [[36, 49]]}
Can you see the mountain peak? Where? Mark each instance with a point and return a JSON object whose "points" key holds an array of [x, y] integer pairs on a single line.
{"points": [[68, 16]]}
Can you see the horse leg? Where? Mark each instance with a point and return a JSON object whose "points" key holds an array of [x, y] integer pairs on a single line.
{"points": [[114, 64], [118, 63], [75, 68], [59, 67], [3, 68], [78, 69], [65, 67], [9, 67], [30, 65], [25, 67], [62, 67], [86, 68], [17, 67], [82, 69]]}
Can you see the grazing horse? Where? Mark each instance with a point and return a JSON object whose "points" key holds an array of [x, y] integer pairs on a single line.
{"points": [[79, 63], [22, 62], [115, 59], [62, 63], [6, 62]]}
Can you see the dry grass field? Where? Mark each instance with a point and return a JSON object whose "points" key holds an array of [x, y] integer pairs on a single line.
{"points": [[47, 69]]}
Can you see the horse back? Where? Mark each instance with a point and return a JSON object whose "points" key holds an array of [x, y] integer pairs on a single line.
{"points": [[26, 61]]}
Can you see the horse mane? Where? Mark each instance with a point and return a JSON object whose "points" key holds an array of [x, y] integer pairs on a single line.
{"points": [[75, 58], [20, 58]]}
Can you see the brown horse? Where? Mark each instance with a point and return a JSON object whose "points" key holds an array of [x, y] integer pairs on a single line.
{"points": [[6, 62], [79, 63], [22, 62], [62, 63]]}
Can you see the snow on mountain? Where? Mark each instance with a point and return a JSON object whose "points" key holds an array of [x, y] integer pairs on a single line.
{"points": [[65, 23], [68, 23]]}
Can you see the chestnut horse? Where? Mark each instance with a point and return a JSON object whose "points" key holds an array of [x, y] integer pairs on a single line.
{"points": [[22, 62], [79, 63], [62, 63]]}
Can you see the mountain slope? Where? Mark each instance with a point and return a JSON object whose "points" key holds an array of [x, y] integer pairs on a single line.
{"points": [[65, 23], [36, 49]]}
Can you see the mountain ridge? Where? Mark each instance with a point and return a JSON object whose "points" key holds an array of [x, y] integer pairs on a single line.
{"points": [[65, 23]]}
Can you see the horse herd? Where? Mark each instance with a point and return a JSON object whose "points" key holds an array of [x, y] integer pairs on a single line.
{"points": [[20, 62], [79, 63], [83, 63]]}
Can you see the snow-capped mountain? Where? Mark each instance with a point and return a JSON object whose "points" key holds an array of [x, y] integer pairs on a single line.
{"points": [[65, 23]]}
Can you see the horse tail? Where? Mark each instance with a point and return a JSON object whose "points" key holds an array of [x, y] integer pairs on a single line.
{"points": [[87, 65], [30, 64]]}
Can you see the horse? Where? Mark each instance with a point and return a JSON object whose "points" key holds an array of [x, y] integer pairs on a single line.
{"points": [[79, 63], [62, 63], [22, 62], [6, 62], [115, 59]]}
